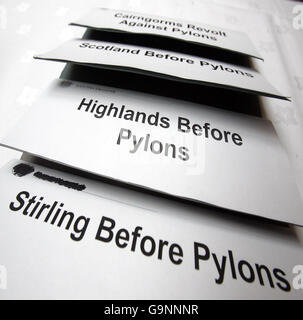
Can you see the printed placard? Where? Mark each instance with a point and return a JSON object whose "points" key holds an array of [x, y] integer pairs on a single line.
{"points": [[186, 150], [114, 243], [190, 32], [160, 63]]}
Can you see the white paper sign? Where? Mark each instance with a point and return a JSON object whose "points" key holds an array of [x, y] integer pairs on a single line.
{"points": [[160, 63], [186, 150], [192, 32], [107, 242]]}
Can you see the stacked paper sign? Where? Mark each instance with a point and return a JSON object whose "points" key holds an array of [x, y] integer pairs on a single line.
{"points": [[149, 25], [160, 63], [189, 151], [70, 230], [68, 236]]}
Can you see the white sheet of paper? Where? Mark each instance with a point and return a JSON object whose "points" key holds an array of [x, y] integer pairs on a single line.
{"points": [[160, 63], [192, 32], [46, 255], [190, 151]]}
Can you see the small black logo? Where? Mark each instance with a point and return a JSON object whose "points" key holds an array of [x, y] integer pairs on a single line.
{"points": [[22, 169]]}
